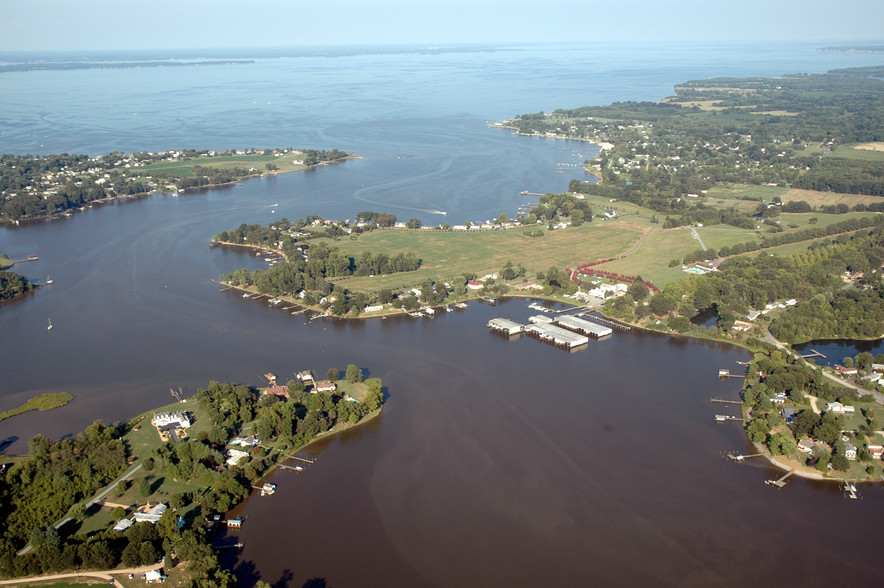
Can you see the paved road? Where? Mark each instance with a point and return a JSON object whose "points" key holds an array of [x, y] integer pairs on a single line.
{"points": [[696, 236], [101, 574], [879, 397], [94, 499]]}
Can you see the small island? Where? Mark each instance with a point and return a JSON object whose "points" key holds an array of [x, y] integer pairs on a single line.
{"points": [[120, 498]]}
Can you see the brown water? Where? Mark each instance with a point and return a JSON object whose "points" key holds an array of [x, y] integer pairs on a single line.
{"points": [[494, 463]]}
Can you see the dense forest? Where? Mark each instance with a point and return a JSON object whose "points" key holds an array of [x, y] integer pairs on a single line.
{"points": [[782, 131]]}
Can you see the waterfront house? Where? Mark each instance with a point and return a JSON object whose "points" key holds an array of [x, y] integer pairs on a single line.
{"points": [[474, 285], [850, 451], [325, 386], [162, 420], [846, 371], [876, 451], [280, 391], [150, 514], [806, 445], [528, 286]]}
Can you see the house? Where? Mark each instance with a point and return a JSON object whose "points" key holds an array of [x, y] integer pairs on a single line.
{"points": [[850, 451], [610, 213], [154, 576], [529, 286], [846, 371], [474, 285], [245, 441], [876, 451], [374, 308], [149, 514], [280, 391], [788, 414], [779, 398], [235, 455], [742, 326], [162, 420], [834, 407], [878, 367], [123, 524], [325, 386], [806, 445]]}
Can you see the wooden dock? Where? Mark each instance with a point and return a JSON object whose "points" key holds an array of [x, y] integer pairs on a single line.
{"points": [[739, 457], [781, 481], [726, 373], [723, 401], [721, 418], [813, 353], [283, 466], [617, 326], [305, 460]]}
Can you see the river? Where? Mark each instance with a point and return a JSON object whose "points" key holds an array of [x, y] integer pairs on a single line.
{"points": [[495, 462]]}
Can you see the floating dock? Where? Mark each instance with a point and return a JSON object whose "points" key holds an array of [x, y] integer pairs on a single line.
{"points": [[721, 418]]}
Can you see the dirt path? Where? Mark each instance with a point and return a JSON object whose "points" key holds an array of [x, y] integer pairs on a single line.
{"points": [[106, 575]]}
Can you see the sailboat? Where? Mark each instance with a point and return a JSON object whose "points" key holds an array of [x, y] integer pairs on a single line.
{"points": [[49, 328], [48, 279]]}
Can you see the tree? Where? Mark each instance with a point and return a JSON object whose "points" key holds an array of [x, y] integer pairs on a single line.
{"points": [[332, 375], [354, 374], [413, 224]]}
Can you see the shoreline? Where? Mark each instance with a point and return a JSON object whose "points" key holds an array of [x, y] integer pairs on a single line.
{"points": [[68, 212]]}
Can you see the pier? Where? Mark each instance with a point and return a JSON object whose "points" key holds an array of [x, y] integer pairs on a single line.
{"points": [[850, 490], [303, 459], [781, 481], [721, 418], [723, 401], [289, 468], [726, 373], [606, 322], [813, 353], [739, 457]]}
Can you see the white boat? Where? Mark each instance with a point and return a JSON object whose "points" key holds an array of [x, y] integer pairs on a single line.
{"points": [[49, 328], [48, 279]]}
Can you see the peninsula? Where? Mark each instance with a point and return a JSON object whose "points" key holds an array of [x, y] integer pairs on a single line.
{"points": [[155, 488], [40, 186]]}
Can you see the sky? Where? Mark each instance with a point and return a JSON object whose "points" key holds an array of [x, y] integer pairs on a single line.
{"points": [[187, 24]]}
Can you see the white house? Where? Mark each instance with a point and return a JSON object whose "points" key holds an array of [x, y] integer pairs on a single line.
{"points": [[150, 514], [234, 455], [164, 419]]}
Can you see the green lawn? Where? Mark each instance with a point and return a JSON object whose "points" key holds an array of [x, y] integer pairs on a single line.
{"points": [[852, 153], [446, 255], [5, 263], [184, 169]]}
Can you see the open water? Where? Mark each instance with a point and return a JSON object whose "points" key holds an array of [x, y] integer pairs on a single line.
{"points": [[495, 462]]}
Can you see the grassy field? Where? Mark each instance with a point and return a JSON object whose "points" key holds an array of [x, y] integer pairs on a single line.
{"points": [[446, 255], [184, 169], [5, 263], [734, 195], [817, 199], [856, 153]]}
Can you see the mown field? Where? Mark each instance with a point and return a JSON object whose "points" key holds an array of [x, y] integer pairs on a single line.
{"points": [[184, 169], [447, 255]]}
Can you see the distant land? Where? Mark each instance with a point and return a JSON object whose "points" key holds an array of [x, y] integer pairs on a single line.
{"points": [[854, 49], [68, 65]]}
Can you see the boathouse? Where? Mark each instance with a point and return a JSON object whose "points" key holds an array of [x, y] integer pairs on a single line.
{"points": [[505, 326], [556, 335], [579, 325]]}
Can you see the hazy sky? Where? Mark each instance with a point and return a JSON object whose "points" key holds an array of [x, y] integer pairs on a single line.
{"points": [[168, 24]]}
